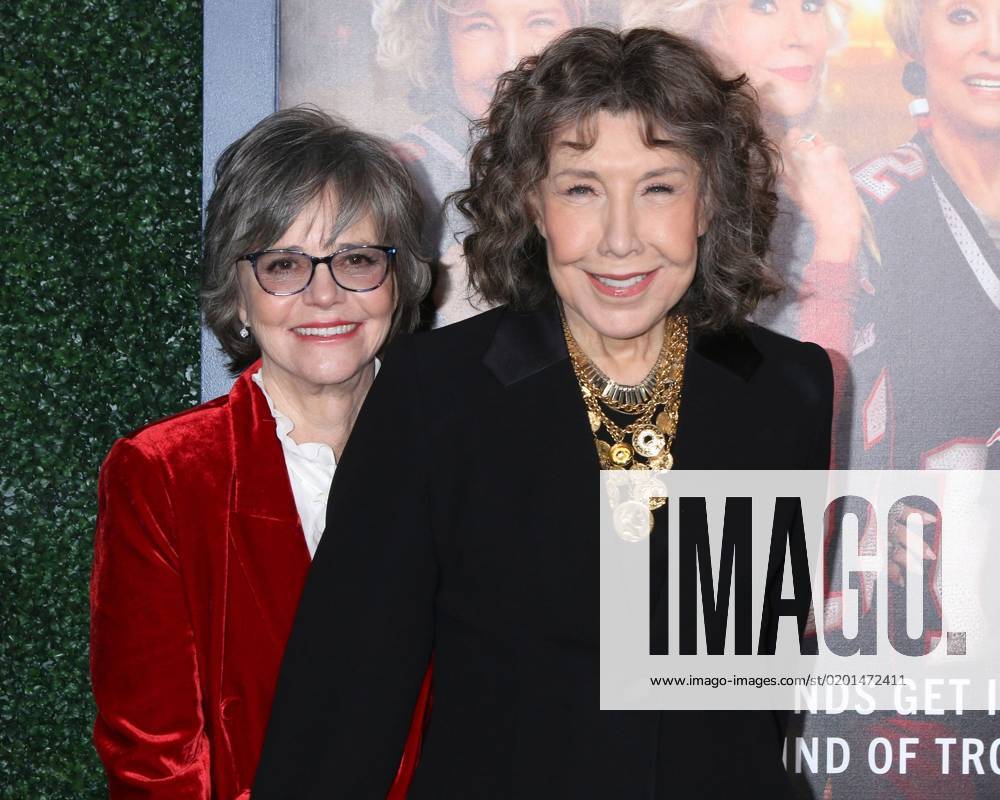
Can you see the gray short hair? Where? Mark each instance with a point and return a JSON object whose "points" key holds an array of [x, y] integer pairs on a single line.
{"points": [[267, 177]]}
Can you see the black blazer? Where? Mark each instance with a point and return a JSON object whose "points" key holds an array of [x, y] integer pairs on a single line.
{"points": [[462, 522]]}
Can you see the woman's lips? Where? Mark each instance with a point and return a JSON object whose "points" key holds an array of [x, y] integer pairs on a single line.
{"points": [[797, 74], [984, 86], [326, 332], [621, 285]]}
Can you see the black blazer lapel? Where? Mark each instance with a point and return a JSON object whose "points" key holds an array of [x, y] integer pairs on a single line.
{"points": [[528, 356], [717, 370], [526, 343], [732, 349]]}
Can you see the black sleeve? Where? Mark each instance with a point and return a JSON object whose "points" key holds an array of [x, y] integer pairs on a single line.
{"points": [[821, 400], [364, 629]]}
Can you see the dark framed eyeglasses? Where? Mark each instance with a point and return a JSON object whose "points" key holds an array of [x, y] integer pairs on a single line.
{"points": [[358, 268]]}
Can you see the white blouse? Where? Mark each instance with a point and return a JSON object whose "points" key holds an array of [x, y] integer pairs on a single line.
{"points": [[310, 468]]}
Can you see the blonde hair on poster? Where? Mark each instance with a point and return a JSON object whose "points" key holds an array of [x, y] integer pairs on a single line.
{"points": [[691, 17], [902, 21], [409, 33]]}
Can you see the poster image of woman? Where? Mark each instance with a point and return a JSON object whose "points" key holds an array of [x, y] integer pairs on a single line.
{"points": [[451, 52], [928, 332], [783, 46], [927, 329]]}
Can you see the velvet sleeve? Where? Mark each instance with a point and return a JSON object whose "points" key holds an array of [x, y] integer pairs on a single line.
{"points": [[363, 634], [150, 731]]}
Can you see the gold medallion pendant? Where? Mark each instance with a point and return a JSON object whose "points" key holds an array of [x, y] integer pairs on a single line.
{"points": [[648, 441], [666, 422], [632, 521], [643, 443], [663, 461], [651, 492], [603, 453], [620, 454]]}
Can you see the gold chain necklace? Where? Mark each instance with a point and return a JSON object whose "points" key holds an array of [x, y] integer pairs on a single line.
{"points": [[618, 396], [650, 442]]}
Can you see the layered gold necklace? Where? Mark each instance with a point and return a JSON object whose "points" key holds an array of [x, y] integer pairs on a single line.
{"points": [[645, 442]]}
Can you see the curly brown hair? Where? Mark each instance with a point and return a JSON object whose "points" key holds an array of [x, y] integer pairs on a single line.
{"points": [[684, 102]]}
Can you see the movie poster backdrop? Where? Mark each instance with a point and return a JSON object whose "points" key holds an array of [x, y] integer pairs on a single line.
{"points": [[887, 113]]}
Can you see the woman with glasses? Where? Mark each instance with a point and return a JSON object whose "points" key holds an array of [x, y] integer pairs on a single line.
{"points": [[208, 519], [620, 199]]}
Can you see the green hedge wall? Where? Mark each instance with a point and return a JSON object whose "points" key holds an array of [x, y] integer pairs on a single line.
{"points": [[100, 174]]}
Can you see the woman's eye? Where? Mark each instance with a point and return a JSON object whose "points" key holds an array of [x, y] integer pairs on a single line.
{"points": [[961, 16], [357, 261], [479, 26], [660, 188], [281, 265], [763, 6], [813, 6], [580, 190], [542, 22]]}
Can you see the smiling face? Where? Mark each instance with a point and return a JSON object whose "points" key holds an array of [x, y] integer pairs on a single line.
{"points": [[488, 37], [621, 223], [780, 44], [324, 336], [961, 52]]}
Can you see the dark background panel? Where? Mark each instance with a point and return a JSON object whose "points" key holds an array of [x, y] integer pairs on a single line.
{"points": [[99, 235]]}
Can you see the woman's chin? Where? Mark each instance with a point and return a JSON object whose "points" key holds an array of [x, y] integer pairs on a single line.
{"points": [[791, 109], [622, 324]]}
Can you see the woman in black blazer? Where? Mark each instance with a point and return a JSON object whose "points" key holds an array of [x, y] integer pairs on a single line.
{"points": [[620, 199]]}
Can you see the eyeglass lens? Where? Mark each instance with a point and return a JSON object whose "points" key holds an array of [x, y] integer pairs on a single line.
{"points": [[359, 268]]}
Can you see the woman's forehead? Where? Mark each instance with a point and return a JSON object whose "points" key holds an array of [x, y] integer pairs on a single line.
{"points": [[325, 217], [466, 7], [605, 131]]}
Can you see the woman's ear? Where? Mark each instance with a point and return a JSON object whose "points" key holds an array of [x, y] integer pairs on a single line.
{"points": [[241, 304], [704, 214], [535, 210]]}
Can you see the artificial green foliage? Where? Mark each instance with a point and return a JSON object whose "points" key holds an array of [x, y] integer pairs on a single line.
{"points": [[100, 155]]}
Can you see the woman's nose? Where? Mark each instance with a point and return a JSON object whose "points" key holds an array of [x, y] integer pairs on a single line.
{"points": [[799, 27], [620, 237], [323, 290], [991, 45]]}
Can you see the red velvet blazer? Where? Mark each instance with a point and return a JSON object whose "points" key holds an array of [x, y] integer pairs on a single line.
{"points": [[198, 565]]}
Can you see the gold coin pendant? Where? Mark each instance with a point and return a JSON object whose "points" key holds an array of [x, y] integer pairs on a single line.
{"points": [[632, 521], [603, 448], [620, 454], [648, 441], [666, 423], [663, 461]]}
